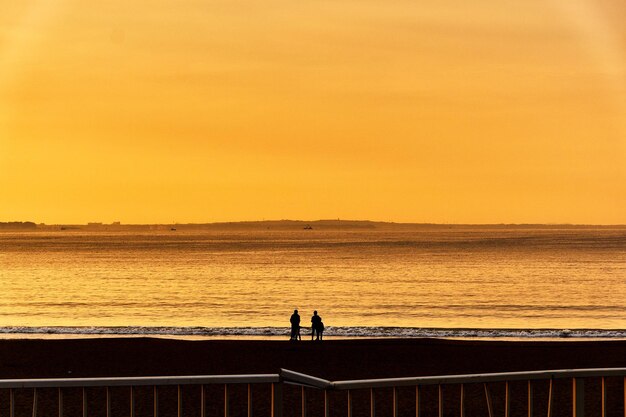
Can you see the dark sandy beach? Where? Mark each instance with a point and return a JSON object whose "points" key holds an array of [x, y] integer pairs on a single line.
{"points": [[333, 360]]}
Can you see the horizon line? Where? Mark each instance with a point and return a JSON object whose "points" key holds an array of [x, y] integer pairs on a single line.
{"points": [[338, 220]]}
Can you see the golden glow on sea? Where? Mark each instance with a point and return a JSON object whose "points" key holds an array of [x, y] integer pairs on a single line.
{"points": [[469, 112]]}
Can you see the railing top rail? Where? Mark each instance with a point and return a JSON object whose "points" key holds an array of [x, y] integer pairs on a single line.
{"points": [[478, 378], [310, 381], [298, 378], [140, 381]]}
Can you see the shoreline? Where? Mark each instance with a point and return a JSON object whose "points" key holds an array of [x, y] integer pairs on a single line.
{"points": [[278, 333], [306, 338]]}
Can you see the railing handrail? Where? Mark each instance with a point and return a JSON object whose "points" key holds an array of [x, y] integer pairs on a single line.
{"points": [[297, 378], [477, 378], [140, 381], [301, 379]]}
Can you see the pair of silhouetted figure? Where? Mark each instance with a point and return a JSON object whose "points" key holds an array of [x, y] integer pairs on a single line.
{"points": [[317, 327]]}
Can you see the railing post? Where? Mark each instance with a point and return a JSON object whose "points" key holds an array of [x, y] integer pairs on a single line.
{"points": [[488, 397], [132, 401], [531, 399], [440, 400], [507, 399], [108, 394], [202, 401], [349, 403], [12, 402], [418, 411], [395, 402], [304, 405], [60, 391], [249, 400], [603, 394], [372, 403], [156, 401], [462, 413], [578, 396], [277, 399], [326, 404], [84, 402], [550, 398], [34, 402], [180, 401], [226, 402]]}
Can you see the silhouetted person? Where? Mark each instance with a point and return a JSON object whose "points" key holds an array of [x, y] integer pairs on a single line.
{"points": [[295, 326], [317, 327]]}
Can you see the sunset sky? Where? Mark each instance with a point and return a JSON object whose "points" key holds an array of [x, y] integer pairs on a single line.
{"points": [[450, 111]]}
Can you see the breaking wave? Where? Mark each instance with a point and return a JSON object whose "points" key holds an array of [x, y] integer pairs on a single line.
{"points": [[339, 332]]}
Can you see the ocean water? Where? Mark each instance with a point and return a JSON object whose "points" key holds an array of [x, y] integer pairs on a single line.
{"points": [[446, 282]]}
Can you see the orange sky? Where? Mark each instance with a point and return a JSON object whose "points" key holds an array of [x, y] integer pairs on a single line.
{"points": [[432, 111]]}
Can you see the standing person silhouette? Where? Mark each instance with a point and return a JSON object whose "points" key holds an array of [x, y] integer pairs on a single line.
{"points": [[316, 326], [295, 326]]}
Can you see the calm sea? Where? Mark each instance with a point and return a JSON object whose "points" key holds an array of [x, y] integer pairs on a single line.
{"points": [[420, 282]]}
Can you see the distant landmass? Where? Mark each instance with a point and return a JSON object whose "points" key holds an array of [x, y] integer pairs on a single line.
{"points": [[334, 224], [18, 225]]}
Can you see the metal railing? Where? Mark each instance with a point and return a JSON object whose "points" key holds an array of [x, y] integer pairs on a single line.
{"points": [[577, 376], [307, 382], [155, 382]]}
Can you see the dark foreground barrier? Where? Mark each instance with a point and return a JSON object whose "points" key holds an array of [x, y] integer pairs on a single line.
{"points": [[290, 393]]}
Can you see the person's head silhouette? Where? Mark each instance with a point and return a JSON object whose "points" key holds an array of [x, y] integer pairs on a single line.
{"points": [[315, 313], [295, 311]]}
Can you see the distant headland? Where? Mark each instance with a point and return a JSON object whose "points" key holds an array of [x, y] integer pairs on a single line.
{"points": [[331, 224], [18, 225]]}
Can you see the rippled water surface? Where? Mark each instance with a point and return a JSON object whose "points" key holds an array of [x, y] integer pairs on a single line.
{"points": [[434, 278]]}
